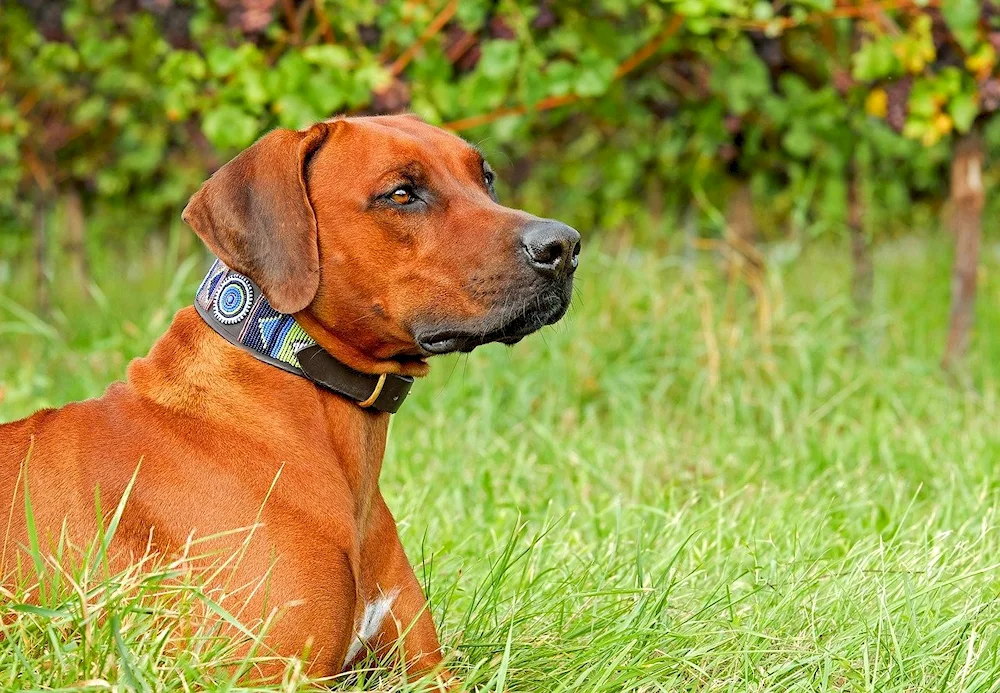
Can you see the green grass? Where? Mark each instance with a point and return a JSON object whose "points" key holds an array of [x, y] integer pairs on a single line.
{"points": [[653, 495]]}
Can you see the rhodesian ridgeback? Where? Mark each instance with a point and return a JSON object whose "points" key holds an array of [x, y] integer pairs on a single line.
{"points": [[348, 254]]}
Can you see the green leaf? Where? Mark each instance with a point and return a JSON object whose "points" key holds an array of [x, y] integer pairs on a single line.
{"points": [[180, 65], [254, 86], [533, 87], [560, 77], [295, 111], [290, 74], [333, 57], [229, 127], [325, 93], [590, 83], [499, 59], [743, 80], [222, 61], [595, 74], [90, 110], [924, 99], [798, 141], [963, 110], [876, 60], [962, 17], [762, 10]]}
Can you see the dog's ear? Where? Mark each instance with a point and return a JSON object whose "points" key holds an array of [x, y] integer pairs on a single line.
{"points": [[255, 215]]}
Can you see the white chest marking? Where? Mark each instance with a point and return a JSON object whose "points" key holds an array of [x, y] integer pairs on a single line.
{"points": [[371, 622]]}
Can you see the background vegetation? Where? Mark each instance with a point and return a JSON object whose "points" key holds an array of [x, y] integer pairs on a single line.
{"points": [[730, 118], [737, 465]]}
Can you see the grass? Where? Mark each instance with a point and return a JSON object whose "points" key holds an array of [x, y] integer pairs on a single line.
{"points": [[656, 494]]}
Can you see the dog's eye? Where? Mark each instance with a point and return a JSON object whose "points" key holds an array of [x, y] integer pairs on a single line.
{"points": [[489, 177], [403, 195]]}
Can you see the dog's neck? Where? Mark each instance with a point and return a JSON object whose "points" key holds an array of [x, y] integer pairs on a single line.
{"points": [[237, 309], [220, 387]]}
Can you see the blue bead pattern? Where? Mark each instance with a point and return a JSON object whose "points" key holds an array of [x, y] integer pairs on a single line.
{"points": [[234, 300]]}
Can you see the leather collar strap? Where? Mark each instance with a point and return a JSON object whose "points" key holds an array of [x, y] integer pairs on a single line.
{"points": [[237, 309]]}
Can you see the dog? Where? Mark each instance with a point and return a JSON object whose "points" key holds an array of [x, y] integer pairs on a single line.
{"points": [[348, 253]]}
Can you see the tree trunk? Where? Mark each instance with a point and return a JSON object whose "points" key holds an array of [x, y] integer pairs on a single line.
{"points": [[75, 245], [41, 258], [863, 274], [967, 199]]}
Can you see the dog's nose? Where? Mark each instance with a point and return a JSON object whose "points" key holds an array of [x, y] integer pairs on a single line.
{"points": [[552, 247]]}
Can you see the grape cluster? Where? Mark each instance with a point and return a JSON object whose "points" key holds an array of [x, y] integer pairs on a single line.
{"points": [[249, 16], [47, 17]]}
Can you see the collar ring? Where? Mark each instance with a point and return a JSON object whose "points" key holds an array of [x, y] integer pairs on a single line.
{"points": [[375, 393]]}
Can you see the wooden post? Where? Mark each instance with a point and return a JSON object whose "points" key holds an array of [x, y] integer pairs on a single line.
{"points": [[967, 200], [744, 260], [690, 225], [741, 233], [75, 243], [863, 270], [41, 258]]}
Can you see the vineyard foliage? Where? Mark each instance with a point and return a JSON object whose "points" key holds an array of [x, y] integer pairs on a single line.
{"points": [[608, 113]]}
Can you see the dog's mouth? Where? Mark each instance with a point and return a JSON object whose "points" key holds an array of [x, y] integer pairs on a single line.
{"points": [[510, 327]]}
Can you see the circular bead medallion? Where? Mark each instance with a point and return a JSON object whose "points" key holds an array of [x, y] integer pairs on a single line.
{"points": [[234, 301]]}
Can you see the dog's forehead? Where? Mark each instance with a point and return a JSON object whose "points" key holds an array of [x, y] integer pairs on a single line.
{"points": [[402, 135], [408, 125]]}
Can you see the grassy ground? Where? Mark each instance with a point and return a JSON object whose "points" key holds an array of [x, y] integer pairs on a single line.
{"points": [[657, 494]]}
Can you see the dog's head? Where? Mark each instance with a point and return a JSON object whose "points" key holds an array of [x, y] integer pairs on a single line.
{"points": [[385, 238]]}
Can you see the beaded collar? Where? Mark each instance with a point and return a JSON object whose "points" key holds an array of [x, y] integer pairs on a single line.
{"points": [[235, 307]]}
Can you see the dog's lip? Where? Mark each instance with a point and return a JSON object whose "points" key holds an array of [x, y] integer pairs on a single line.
{"points": [[410, 357], [519, 316], [447, 342]]}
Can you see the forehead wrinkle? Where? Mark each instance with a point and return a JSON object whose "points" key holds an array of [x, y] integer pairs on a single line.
{"points": [[412, 169], [469, 159], [425, 135], [415, 142]]}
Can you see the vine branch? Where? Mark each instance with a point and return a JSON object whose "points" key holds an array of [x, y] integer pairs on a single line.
{"points": [[627, 66], [442, 18]]}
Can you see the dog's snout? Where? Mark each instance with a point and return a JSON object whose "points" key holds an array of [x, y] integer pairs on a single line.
{"points": [[552, 247]]}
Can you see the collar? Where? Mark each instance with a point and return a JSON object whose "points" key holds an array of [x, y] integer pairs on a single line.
{"points": [[235, 307]]}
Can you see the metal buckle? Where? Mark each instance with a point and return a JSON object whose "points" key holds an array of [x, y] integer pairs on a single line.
{"points": [[378, 391]]}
